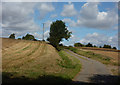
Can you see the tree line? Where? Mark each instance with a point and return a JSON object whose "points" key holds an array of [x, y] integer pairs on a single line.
{"points": [[26, 37], [58, 32], [91, 45]]}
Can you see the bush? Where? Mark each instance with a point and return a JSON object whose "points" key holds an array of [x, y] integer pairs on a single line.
{"points": [[114, 48], [89, 45], [12, 36], [28, 37], [106, 46], [78, 45]]}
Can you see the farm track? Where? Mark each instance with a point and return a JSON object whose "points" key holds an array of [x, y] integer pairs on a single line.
{"points": [[90, 68]]}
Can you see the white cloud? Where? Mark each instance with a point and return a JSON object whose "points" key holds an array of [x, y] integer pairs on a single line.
{"points": [[71, 22], [53, 15], [40, 36], [45, 8], [91, 17], [18, 17], [47, 24], [69, 10], [100, 39]]}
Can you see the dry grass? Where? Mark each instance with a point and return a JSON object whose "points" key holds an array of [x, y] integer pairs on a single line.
{"points": [[32, 59], [106, 52], [23, 56]]}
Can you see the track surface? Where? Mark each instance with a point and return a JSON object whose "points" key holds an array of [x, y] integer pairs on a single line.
{"points": [[92, 69]]}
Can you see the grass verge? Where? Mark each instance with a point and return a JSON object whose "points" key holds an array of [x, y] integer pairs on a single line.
{"points": [[70, 64]]}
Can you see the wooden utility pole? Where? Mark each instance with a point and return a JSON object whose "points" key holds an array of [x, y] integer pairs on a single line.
{"points": [[43, 31]]}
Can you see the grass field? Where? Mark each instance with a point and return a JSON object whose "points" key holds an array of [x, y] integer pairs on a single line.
{"points": [[35, 62], [103, 51]]}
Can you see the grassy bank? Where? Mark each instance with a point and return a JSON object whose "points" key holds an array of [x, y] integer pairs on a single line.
{"points": [[70, 64], [36, 62]]}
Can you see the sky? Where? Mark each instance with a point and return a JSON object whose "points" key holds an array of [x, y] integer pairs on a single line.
{"points": [[94, 22]]}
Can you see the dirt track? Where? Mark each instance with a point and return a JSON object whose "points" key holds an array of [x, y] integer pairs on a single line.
{"points": [[92, 71]]}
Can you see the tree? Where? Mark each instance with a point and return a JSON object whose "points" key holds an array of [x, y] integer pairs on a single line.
{"points": [[106, 46], [12, 36], [114, 48], [28, 37], [78, 45], [94, 46], [89, 45], [58, 31], [19, 38]]}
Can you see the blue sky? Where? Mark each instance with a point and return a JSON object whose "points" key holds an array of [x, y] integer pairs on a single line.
{"points": [[89, 22]]}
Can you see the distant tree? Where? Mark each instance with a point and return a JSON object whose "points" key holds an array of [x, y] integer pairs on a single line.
{"points": [[61, 44], [19, 38], [70, 46], [94, 46], [100, 46], [58, 31], [12, 36], [28, 37], [78, 45], [114, 48], [106, 46], [89, 45], [35, 39]]}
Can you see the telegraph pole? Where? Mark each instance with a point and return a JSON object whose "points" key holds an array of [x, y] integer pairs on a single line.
{"points": [[43, 31]]}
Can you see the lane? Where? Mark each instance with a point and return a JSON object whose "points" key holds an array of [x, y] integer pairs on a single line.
{"points": [[90, 68]]}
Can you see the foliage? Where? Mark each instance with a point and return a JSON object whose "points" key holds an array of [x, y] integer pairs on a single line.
{"points": [[106, 46], [19, 38], [12, 36], [89, 45], [28, 37], [114, 48], [94, 46], [58, 31], [78, 45]]}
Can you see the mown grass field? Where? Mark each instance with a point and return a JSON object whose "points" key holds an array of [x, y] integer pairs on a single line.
{"points": [[36, 62]]}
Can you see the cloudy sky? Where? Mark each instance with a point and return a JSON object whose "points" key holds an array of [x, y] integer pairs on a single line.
{"points": [[92, 22]]}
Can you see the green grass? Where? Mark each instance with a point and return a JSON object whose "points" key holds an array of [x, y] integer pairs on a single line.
{"points": [[103, 59], [71, 65], [66, 62]]}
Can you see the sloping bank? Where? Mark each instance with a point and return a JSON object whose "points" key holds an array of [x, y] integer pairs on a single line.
{"points": [[31, 62]]}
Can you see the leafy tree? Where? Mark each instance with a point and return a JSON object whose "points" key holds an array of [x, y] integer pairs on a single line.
{"points": [[78, 45], [89, 45], [58, 31], [94, 46], [12, 36], [61, 44], [106, 46], [19, 38], [114, 48], [100, 46], [28, 37]]}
